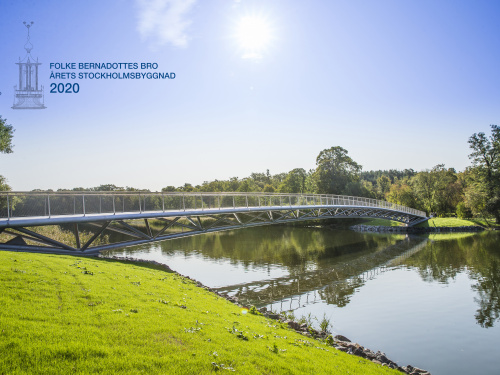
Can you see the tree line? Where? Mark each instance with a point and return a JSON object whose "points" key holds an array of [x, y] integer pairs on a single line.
{"points": [[440, 190]]}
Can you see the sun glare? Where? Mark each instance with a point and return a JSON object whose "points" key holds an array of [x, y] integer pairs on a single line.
{"points": [[253, 34]]}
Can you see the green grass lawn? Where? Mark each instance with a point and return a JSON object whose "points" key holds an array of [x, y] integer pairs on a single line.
{"points": [[66, 315], [437, 222], [455, 222]]}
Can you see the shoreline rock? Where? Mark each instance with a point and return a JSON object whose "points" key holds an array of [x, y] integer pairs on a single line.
{"points": [[343, 344], [338, 342]]}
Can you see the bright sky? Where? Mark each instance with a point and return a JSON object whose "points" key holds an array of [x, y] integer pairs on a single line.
{"points": [[259, 85]]}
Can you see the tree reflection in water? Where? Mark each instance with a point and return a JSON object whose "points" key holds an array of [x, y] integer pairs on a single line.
{"points": [[331, 265], [479, 256]]}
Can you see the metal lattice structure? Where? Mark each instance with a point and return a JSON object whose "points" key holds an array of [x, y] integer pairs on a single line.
{"points": [[137, 218]]}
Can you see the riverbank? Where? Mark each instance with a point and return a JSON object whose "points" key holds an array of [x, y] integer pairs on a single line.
{"points": [[453, 222], [338, 342], [433, 225], [64, 314], [413, 230]]}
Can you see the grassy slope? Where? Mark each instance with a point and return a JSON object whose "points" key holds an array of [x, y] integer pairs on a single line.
{"points": [[437, 222], [63, 314], [453, 222]]}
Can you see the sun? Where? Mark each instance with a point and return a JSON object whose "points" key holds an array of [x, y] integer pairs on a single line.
{"points": [[253, 35]]}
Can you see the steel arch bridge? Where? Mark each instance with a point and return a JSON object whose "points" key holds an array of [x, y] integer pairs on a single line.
{"points": [[133, 218]]}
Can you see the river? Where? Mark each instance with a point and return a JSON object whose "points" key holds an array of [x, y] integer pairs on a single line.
{"points": [[430, 301]]}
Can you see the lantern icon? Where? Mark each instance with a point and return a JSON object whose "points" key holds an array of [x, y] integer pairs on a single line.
{"points": [[28, 94]]}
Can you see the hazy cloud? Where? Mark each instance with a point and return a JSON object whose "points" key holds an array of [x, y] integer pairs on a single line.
{"points": [[165, 21]]}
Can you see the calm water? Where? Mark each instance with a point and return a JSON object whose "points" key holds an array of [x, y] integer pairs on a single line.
{"points": [[433, 302]]}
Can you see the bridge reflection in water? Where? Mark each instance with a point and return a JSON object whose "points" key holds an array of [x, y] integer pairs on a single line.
{"points": [[148, 217], [334, 285]]}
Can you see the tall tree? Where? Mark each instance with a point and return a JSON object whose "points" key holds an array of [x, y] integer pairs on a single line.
{"points": [[294, 182], [437, 190], [383, 185], [401, 193], [335, 170], [108, 187], [6, 134], [486, 160], [3, 184], [311, 182]]}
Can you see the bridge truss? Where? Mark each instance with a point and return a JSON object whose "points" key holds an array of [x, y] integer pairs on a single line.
{"points": [[106, 220]]}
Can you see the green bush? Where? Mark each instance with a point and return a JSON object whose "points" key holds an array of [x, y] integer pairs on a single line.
{"points": [[463, 212]]}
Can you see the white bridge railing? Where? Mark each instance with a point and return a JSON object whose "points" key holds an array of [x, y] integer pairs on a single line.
{"points": [[50, 204]]}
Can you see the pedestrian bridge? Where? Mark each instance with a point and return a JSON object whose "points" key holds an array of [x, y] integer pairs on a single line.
{"points": [[97, 221]]}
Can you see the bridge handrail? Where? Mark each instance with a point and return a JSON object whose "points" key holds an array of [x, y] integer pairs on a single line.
{"points": [[14, 204]]}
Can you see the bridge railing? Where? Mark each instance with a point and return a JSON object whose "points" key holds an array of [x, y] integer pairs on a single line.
{"points": [[49, 204]]}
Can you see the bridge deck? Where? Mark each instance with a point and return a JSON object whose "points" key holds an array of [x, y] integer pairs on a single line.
{"points": [[178, 214], [93, 217]]}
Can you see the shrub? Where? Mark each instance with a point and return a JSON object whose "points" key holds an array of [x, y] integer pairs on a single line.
{"points": [[463, 212]]}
